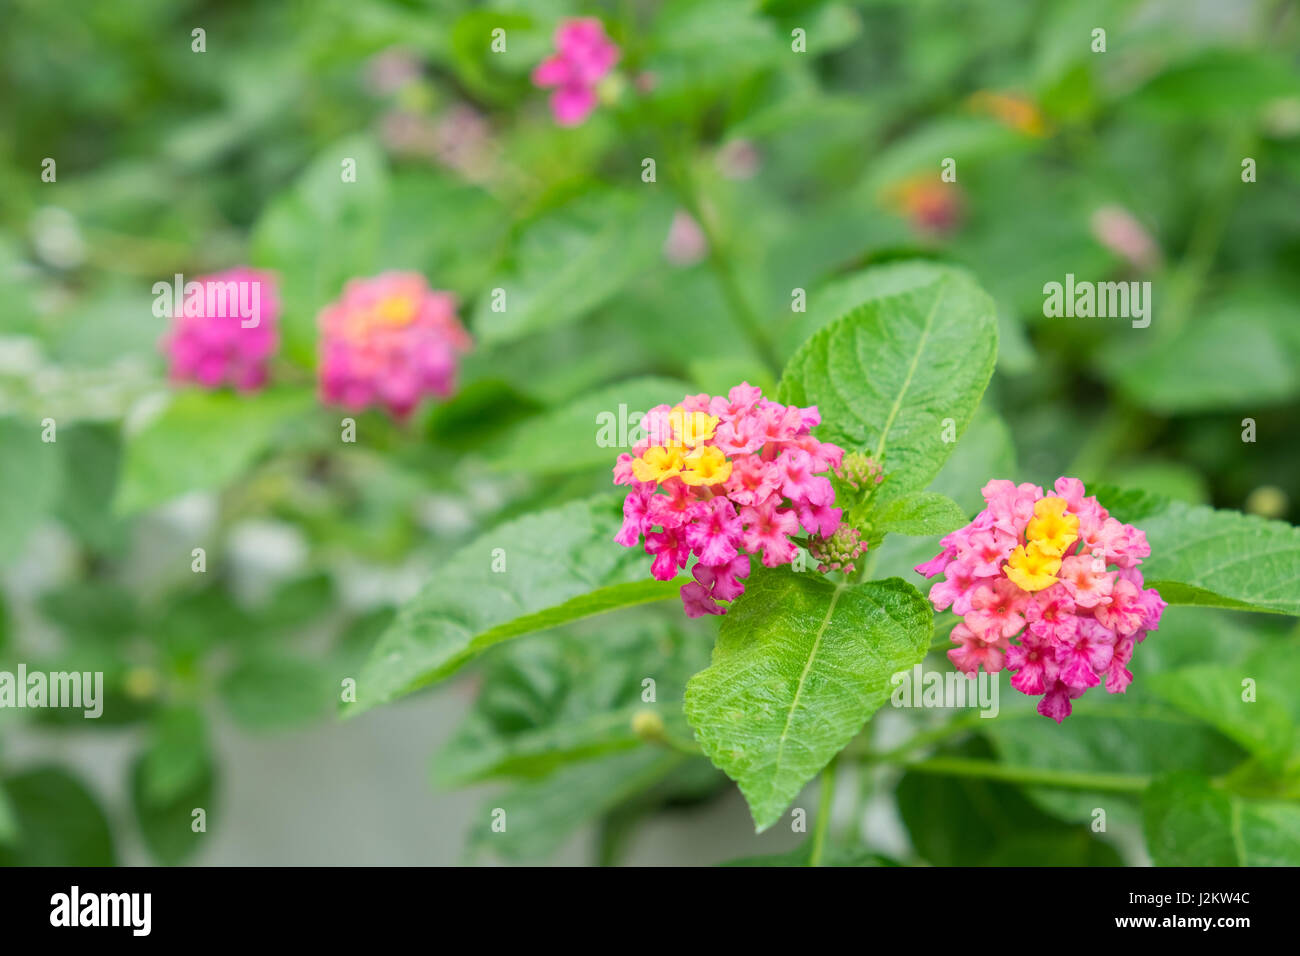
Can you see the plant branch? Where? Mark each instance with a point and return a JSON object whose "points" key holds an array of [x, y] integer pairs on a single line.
{"points": [[825, 800]]}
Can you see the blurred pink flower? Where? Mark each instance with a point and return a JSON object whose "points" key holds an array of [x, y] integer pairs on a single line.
{"points": [[739, 159], [1119, 231], [225, 334], [390, 70], [389, 341], [584, 54], [685, 244]]}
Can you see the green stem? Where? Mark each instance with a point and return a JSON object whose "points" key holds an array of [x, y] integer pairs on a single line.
{"points": [[723, 269], [823, 825], [1029, 776]]}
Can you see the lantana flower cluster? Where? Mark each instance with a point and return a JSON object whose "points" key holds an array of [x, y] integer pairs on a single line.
{"points": [[214, 342], [1057, 574], [722, 479], [390, 341], [583, 55]]}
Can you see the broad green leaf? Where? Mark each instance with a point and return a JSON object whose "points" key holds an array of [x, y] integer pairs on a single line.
{"points": [[799, 666], [167, 826], [272, 691], [1104, 735], [201, 441], [556, 566], [919, 513], [964, 821], [176, 756], [169, 781], [900, 376], [85, 504], [321, 233], [1224, 83], [687, 64], [1240, 353], [1222, 559], [558, 698], [1188, 822], [31, 471], [571, 261], [1252, 701], [985, 451], [59, 822], [588, 433], [535, 818]]}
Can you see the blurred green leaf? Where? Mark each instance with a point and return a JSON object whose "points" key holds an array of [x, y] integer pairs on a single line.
{"points": [[1189, 823], [555, 567], [31, 471], [572, 260], [271, 691], [557, 699], [59, 822], [588, 433], [960, 821], [202, 440], [534, 819]]}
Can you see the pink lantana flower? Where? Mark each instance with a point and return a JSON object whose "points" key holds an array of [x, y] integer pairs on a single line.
{"points": [[389, 341], [583, 55], [1056, 573], [224, 331], [724, 479]]}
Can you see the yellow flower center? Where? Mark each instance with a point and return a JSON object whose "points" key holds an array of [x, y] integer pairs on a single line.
{"points": [[1051, 528], [706, 465], [691, 428]]}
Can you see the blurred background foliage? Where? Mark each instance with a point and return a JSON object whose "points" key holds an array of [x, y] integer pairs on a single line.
{"points": [[776, 171]]}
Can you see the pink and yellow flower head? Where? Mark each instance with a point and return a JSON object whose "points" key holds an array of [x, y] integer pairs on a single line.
{"points": [[226, 333], [1058, 574], [389, 341], [721, 479], [584, 54]]}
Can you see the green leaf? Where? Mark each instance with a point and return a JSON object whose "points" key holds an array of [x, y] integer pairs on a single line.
{"points": [[1106, 735], [962, 821], [919, 513], [1225, 559], [540, 815], [586, 434], [1187, 822], [31, 471], [274, 691], [202, 440], [559, 566], [900, 376], [799, 666], [169, 781], [85, 504], [1238, 353], [1223, 83], [565, 697], [59, 822], [1264, 724], [177, 755], [572, 260]]}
